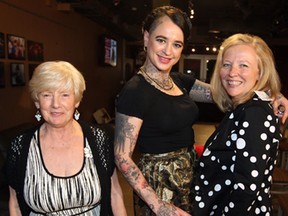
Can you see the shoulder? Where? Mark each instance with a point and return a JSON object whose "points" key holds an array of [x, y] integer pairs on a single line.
{"points": [[100, 139], [136, 96], [182, 76], [135, 82], [255, 117], [136, 87], [17, 157], [99, 132], [21, 141], [183, 80], [259, 102], [256, 110]]}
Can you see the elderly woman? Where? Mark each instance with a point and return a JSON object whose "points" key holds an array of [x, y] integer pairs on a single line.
{"points": [[62, 166]]}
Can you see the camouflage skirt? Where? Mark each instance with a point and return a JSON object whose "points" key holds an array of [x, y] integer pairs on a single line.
{"points": [[170, 175]]}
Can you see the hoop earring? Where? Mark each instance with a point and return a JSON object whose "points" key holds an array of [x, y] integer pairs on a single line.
{"points": [[145, 49], [38, 116], [76, 115]]}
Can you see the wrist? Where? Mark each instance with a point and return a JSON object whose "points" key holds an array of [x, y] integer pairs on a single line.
{"points": [[166, 207]]}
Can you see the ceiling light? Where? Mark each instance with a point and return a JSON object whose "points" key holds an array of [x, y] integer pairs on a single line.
{"points": [[214, 31]]}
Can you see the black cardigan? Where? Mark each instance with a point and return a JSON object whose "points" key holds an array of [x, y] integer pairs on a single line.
{"points": [[103, 154]]}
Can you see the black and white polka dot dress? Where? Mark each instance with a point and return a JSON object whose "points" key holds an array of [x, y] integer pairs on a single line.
{"points": [[234, 173]]}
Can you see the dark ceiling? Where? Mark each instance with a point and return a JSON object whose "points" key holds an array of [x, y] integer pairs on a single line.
{"points": [[213, 20]]}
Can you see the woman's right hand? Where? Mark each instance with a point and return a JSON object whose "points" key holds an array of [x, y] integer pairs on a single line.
{"points": [[168, 209]]}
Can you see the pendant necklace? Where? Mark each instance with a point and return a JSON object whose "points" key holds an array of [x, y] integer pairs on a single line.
{"points": [[161, 86]]}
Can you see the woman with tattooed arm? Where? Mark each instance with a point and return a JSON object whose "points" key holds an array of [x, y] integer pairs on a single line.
{"points": [[154, 111]]}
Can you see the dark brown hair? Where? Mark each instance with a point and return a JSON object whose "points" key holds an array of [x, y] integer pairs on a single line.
{"points": [[175, 14]]}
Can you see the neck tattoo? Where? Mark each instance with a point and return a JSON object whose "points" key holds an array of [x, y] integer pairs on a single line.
{"points": [[166, 86]]}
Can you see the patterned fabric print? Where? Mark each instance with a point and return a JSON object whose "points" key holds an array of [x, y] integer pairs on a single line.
{"points": [[51, 195], [235, 171], [170, 175]]}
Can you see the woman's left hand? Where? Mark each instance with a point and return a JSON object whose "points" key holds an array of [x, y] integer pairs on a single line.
{"points": [[280, 106]]}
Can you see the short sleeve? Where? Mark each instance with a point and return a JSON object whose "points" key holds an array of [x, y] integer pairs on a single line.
{"points": [[184, 81], [134, 98]]}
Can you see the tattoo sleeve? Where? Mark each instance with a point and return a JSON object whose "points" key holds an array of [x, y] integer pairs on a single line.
{"points": [[126, 134], [124, 131], [200, 92]]}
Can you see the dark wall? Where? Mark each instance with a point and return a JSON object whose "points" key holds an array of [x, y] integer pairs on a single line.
{"points": [[281, 59], [65, 36]]}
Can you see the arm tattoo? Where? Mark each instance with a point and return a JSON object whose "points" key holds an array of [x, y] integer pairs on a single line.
{"points": [[126, 134], [200, 92], [123, 130], [166, 210], [130, 172]]}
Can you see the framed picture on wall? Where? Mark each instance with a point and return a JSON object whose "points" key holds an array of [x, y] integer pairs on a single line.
{"points": [[16, 47], [35, 51], [108, 54], [2, 45], [2, 75], [17, 74]]}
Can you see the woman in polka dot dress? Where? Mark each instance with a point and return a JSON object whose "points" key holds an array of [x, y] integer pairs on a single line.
{"points": [[234, 173]]}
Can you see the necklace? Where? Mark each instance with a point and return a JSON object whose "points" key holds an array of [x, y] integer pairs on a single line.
{"points": [[161, 86]]}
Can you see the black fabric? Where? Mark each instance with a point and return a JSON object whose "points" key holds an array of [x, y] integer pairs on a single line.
{"points": [[168, 120], [233, 176], [103, 154]]}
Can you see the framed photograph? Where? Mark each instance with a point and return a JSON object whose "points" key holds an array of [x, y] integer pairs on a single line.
{"points": [[108, 55], [2, 45], [16, 47], [17, 74], [35, 51], [2, 75], [31, 68]]}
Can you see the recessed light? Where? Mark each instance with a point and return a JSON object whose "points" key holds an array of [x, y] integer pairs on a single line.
{"points": [[214, 31]]}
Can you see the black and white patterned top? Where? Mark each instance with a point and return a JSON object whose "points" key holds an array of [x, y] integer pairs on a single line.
{"points": [[234, 174], [100, 140], [48, 194]]}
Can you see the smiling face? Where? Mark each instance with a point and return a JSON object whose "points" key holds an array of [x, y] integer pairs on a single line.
{"points": [[164, 44], [239, 72], [57, 107]]}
